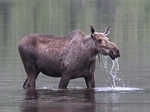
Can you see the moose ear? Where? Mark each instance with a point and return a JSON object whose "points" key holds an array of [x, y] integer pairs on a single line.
{"points": [[107, 30], [92, 31]]}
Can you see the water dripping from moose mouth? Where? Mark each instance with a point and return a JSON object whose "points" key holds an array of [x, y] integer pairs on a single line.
{"points": [[113, 73], [115, 79]]}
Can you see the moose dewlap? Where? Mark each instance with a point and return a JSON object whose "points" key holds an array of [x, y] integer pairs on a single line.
{"points": [[67, 57]]}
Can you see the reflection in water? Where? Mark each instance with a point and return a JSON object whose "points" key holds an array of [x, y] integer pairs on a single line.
{"points": [[112, 104], [85, 100], [59, 101], [5, 9], [30, 101], [77, 100]]}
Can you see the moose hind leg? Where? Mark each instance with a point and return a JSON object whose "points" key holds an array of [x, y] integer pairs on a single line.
{"points": [[30, 82], [26, 84], [29, 62], [32, 73]]}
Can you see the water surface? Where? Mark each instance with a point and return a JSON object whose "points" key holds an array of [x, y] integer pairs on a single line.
{"points": [[131, 29]]}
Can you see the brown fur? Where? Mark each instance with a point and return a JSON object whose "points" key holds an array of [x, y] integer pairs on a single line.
{"points": [[67, 57]]}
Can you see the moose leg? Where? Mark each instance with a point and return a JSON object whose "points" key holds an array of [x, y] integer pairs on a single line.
{"points": [[64, 82], [30, 81], [90, 82], [26, 84], [32, 73], [28, 59]]}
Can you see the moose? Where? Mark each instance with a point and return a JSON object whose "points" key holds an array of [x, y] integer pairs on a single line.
{"points": [[68, 57]]}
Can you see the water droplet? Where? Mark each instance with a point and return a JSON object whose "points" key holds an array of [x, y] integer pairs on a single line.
{"points": [[113, 71]]}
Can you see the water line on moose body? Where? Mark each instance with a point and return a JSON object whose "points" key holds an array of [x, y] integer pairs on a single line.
{"points": [[113, 71]]}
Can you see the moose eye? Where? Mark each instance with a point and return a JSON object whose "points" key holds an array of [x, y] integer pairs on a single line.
{"points": [[100, 41]]}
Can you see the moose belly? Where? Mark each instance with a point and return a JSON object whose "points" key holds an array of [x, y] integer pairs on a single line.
{"points": [[49, 68], [51, 73]]}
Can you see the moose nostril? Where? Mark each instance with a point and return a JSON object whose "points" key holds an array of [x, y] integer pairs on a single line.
{"points": [[115, 53], [111, 52], [118, 54]]}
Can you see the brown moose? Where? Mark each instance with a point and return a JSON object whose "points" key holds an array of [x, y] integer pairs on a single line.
{"points": [[67, 57]]}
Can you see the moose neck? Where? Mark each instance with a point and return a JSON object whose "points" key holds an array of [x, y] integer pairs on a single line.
{"points": [[90, 46]]}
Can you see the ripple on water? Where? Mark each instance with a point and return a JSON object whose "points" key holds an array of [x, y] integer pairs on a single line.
{"points": [[118, 89]]}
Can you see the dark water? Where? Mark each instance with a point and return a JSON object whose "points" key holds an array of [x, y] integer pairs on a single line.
{"points": [[131, 29]]}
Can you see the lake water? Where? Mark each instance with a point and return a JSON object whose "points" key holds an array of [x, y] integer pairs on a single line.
{"points": [[131, 29]]}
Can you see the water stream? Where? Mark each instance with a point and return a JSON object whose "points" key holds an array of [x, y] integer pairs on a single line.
{"points": [[113, 73]]}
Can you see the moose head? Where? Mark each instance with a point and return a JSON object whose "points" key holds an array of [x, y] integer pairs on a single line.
{"points": [[102, 43]]}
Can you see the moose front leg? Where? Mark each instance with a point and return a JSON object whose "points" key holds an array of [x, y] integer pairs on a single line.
{"points": [[64, 82], [89, 75], [90, 81]]}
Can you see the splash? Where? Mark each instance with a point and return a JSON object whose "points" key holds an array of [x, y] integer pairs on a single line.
{"points": [[113, 72]]}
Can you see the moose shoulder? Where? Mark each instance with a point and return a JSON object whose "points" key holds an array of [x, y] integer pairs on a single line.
{"points": [[67, 57]]}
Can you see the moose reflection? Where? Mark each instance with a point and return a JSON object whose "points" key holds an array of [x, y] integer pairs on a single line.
{"points": [[67, 57], [58, 101]]}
